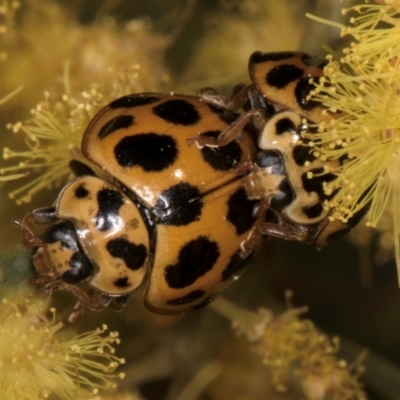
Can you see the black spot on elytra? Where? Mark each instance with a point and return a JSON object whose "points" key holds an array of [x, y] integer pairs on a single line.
{"points": [[122, 282], [109, 202], [240, 211], [260, 57], [221, 158], [134, 255], [179, 205], [195, 259], [284, 198], [236, 265], [313, 211], [150, 151], [280, 76], [81, 268], [314, 61], [270, 159], [120, 122], [284, 125], [133, 101], [189, 298], [301, 154], [179, 112], [301, 92], [81, 192]]}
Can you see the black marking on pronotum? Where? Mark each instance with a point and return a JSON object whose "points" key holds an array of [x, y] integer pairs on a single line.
{"points": [[133, 101], [284, 125], [189, 298], [313, 211], [315, 184], [181, 204], [179, 112], [221, 158], [195, 259], [150, 151], [120, 122], [81, 268], [281, 200], [81, 192], [64, 232], [280, 76], [134, 255], [270, 159], [122, 282], [109, 202], [301, 154], [240, 211], [259, 57]]}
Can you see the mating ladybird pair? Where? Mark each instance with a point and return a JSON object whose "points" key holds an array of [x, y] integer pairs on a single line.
{"points": [[186, 218]]}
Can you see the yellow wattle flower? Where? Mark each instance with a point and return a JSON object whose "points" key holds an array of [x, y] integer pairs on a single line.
{"points": [[36, 361], [365, 84]]}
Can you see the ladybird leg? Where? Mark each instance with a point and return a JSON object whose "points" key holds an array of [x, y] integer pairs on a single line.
{"points": [[89, 300], [244, 167], [284, 231], [230, 133], [86, 301], [239, 98], [29, 239], [251, 242], [211, 96], [40, 216]]}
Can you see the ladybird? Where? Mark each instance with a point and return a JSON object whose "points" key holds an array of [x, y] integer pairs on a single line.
{"points": [[157, 211], [285, 176]]}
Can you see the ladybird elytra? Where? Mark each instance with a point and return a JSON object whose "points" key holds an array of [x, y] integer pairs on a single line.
{"points": [[146, 155], [285, 79]]}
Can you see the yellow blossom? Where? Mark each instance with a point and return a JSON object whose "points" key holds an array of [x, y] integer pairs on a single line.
{"points": [[37, 361], [364, 84], [84, 74], [290, 345]]}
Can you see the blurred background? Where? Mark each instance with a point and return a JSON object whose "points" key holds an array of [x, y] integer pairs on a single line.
{"points": [[350, 288]]}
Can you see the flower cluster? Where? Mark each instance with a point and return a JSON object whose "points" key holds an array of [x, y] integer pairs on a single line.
{"points": [[364, 85], [294, 347], [36, 360], [96, 64]]}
